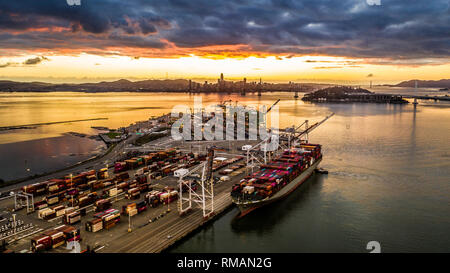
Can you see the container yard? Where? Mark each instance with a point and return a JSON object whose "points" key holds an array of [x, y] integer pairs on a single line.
{"points": [[145, 202], [111, 210]]}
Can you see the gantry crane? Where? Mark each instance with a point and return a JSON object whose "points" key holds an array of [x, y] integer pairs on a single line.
{"points": [[293, 134], [206, 199]]}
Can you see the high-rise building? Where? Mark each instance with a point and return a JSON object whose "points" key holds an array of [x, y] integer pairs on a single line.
{"points": [[221, 77]]}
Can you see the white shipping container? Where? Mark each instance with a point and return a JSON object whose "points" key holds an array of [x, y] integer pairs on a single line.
{"points": [[133, 212], [110, 217], [75, 219], [53, 200], [173, 193], [59, 211], [224, 178], [44, 212], [53, 188], [113, 192], [249, 189], [97, 227]]}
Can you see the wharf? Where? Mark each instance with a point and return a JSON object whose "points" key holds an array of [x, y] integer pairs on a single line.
{"points": [[32, 126], [160, 235], [165, 229]]}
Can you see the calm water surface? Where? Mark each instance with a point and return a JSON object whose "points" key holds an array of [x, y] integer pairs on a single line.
{"points": [[388, 181]]}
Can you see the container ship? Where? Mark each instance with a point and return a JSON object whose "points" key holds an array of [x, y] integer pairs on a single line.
{"points": [[276, 179]]}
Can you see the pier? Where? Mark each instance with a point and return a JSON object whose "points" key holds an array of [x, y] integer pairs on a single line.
{"points": [[435, 98], [162, 234], [152, 231], [26, 126]]}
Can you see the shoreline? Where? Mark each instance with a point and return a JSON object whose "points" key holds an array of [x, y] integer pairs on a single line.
{"points": [[101, 156], [30, 126], [159, 91], [36, 176]]}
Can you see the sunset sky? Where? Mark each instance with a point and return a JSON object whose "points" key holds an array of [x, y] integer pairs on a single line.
{"points": [[305, 41]]}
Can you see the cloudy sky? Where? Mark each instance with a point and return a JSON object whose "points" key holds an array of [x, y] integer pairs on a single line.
{"points": [[300, 40]]}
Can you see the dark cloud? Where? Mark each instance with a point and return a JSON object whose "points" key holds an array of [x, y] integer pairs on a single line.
{"points": [[398, 29], [327, 67], [35, 60], [370, 75]]}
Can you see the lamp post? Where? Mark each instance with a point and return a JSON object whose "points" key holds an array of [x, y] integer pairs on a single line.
{"points": [[71, 183], [117, 191], [168, 203], [14, 222], [76, 248], [129, 222]]}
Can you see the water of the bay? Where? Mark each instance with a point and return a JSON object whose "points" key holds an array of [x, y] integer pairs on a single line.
{"points": [[388, 181]]}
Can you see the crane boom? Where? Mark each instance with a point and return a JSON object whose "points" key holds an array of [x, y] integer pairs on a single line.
{"points": [[314, 126], [270, 108], [209, 161]]}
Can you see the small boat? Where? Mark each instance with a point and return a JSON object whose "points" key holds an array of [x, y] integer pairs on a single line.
{"points": [[321, 171]]}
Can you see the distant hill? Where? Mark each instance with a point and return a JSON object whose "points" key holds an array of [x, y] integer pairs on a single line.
{"points": [[123, 85], [444, 83], [114, 86]]}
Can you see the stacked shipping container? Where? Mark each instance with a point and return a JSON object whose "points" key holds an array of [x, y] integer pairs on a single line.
{"points": [[276, 174]]}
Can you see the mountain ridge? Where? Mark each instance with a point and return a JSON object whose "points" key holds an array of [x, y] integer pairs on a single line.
{"points": [[442, 83]]}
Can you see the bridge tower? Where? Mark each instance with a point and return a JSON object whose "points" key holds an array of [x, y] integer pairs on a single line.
{"points": [[415, 91], [296, 92], [259, 87]]}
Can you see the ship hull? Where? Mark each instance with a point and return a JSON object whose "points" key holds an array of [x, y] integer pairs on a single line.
{"points": [[247, 207]]}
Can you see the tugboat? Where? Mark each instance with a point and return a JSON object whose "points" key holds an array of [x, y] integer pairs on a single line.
{"points": [[321, 171]]}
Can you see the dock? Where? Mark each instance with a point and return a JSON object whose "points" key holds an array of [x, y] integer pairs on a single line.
{"points": [[27, 126], [159, 236], [152, 231]]}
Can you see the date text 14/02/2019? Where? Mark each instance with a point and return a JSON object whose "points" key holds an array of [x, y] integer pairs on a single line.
{"points": [[225, 263]]}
